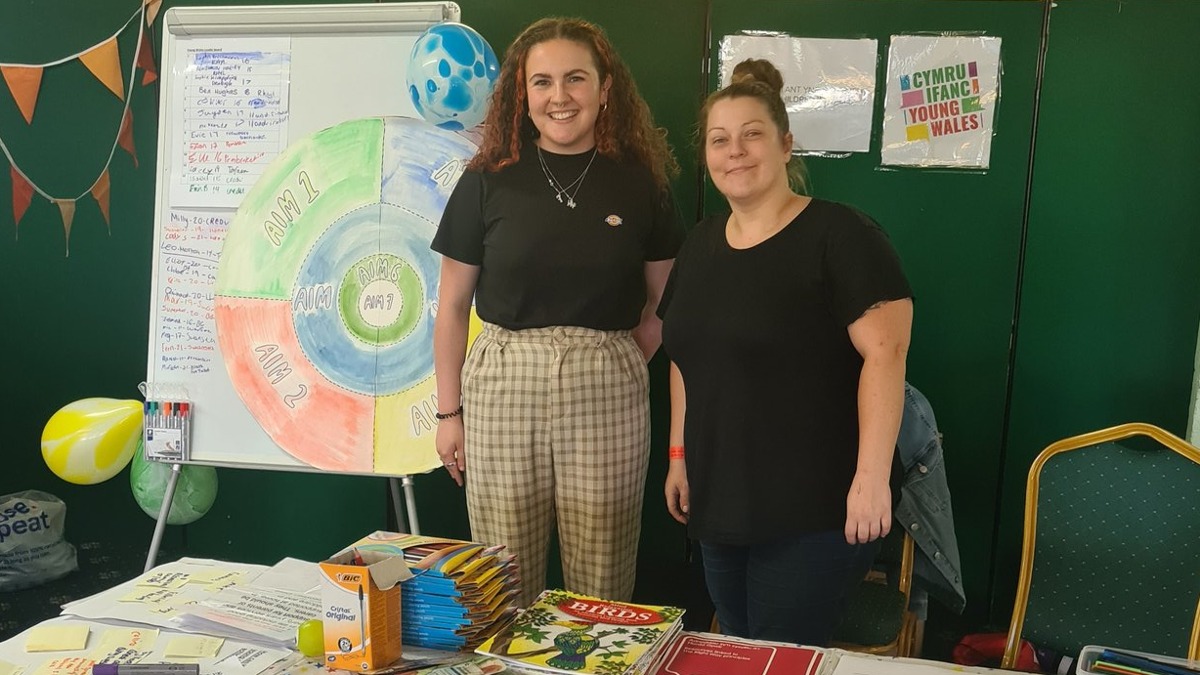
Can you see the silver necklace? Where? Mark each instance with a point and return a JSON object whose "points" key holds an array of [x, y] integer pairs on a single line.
{"points": [[557, 186]]}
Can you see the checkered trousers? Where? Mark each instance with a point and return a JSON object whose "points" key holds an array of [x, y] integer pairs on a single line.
{"points": [[557, 429]]}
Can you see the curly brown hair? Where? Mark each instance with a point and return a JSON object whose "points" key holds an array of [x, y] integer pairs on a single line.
{"points": [[625, 130]]}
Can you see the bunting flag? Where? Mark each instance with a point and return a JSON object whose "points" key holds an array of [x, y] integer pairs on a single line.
{"points": [[152, 7], [100, 192], [105, 63], [22, 195], [145, 60], [24, 82], [67, 208], [125, 136]]}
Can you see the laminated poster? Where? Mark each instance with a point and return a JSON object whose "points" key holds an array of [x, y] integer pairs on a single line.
{"points": [[828, 86], [940, 106]]}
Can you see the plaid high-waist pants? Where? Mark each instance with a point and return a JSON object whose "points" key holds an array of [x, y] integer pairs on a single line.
{"points": [[557, 429]]}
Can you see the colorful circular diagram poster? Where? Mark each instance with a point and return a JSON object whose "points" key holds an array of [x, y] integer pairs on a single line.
{"points": [[326, 294]]}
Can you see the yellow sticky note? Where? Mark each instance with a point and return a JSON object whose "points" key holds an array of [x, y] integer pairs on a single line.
{"points": [[164, 579], [133, 638], [150, 596], [57, 638], [7, 668], [194, 646]]}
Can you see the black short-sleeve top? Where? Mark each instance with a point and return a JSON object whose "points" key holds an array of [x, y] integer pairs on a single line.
{"points": [[544, 263], [760, 337]]}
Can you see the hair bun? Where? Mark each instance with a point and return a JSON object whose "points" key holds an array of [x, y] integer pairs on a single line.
{"points": [[758, 70]]}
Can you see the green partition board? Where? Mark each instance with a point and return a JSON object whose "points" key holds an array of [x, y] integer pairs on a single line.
{"points": [[957, 233], [1110, 301]]}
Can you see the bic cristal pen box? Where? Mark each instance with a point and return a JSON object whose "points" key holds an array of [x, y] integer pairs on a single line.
{"points": [[360, 598]]}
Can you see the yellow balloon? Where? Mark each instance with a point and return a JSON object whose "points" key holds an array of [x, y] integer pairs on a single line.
{"points": [[91, 440]]}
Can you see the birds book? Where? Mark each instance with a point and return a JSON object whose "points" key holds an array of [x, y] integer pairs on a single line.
{"points": [[568, 633]]}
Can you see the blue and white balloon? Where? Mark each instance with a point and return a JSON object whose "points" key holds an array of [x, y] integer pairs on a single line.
{"points": [[451, 74]]}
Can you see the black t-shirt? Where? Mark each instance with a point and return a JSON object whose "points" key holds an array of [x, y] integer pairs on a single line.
{"points": [[543, 263], [760, 337]]}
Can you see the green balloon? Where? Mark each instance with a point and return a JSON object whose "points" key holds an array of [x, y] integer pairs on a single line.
{"points": [[195, 491]]}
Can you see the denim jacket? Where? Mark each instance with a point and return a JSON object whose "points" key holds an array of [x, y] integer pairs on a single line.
{"points": [[924, 508]]}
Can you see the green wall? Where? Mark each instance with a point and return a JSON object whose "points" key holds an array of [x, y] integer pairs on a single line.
{"points": [[1095, 280], [1110, 299], [76, 326]]}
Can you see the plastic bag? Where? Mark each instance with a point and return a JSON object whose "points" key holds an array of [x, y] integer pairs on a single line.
{"points": [[32, 548]]}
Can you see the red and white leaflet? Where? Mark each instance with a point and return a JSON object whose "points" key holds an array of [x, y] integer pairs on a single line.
{"points": [[706, 654]]}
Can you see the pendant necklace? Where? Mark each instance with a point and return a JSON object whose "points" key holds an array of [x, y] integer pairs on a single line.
{"points": [[559, 190]]}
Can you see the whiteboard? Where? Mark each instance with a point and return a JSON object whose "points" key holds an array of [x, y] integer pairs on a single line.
{"points": [[240, 86]]}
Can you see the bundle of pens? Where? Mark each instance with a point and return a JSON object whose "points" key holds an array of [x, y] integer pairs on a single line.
{"points": [[1122, 663], [461, 592]]}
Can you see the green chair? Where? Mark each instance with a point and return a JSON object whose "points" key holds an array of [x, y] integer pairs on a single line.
{"points": [[877, 619], [1111, 550]]}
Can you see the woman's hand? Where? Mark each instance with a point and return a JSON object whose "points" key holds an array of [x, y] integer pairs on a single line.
{"points": [[868, 509], [677, 491], [450, 448]]}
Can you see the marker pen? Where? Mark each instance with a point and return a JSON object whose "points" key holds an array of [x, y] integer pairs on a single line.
{"points": [[146, 669], [185, 421]]}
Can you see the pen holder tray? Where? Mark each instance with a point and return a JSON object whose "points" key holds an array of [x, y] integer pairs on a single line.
{"points": [[1089, 654]]}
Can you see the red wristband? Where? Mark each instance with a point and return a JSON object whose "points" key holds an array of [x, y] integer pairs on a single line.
{"points": [[675, 452]]}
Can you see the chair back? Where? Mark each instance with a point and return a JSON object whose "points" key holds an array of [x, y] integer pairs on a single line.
{"points": [[876, 619], [1111, 549]]}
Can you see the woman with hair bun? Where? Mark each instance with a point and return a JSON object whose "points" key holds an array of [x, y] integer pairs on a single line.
{"points": [[787, 320], [563, 231]]}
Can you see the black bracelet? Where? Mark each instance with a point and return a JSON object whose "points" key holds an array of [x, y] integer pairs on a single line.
{"points": [[446, 416]]}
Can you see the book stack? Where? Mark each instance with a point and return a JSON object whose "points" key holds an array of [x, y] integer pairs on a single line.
{"points": [[572, 634], [461, 592]]}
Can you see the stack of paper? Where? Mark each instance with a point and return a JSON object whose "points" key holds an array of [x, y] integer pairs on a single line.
{"points": [[564, 632], [461, 592]]}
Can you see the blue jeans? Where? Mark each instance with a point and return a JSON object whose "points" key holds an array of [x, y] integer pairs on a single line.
{"points": [[788, 590]]}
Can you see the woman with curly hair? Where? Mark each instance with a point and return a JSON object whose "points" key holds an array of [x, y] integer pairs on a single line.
{"points": [[563, 231]]}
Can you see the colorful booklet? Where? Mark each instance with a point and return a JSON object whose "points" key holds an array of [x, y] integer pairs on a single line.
{"points": [[460, 593], [568, 633], [703, 653]]}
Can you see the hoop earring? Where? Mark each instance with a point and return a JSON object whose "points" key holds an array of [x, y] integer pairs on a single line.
{"points": [[604, 107]]}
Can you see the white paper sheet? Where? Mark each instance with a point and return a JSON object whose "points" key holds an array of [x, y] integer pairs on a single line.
{"points": [[828, 86], [940, 109]]}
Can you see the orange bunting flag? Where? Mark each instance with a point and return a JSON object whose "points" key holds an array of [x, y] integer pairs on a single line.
{"points": [[100, 193], [125, 136], [152, 7], [145, 60], [105, 63], [22, 194], [23, 82], [67, 208]]}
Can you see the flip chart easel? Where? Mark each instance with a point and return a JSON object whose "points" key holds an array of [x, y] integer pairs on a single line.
{"points": [[239, 84]]}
